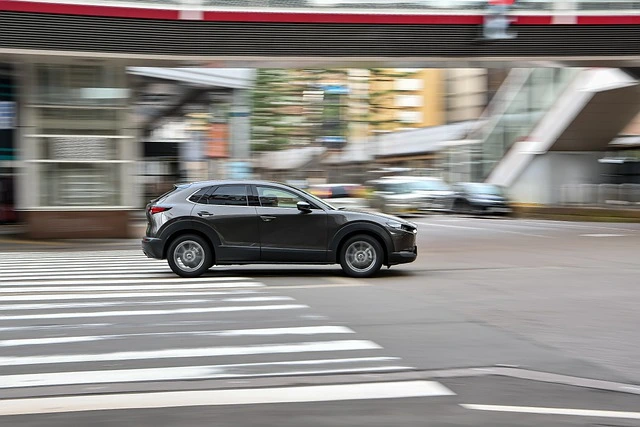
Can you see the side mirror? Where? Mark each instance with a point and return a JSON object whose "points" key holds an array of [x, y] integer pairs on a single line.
{"points": [[304, 207]]}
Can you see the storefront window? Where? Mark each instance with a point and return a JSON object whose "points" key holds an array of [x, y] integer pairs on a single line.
{"points": [[80, 85], [79, 116], [80, 184]]}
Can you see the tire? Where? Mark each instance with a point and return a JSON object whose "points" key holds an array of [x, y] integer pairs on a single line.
{"points": [[361, 256], [189, 256]]}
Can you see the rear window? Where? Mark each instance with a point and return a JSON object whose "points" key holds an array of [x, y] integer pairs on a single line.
{"points": [[198, 195]]}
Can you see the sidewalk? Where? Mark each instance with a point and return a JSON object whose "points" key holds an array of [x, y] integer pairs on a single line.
{"points": [[12, 238]]}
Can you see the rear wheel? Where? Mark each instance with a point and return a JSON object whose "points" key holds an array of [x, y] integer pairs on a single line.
{"points": [[361, 256], [189, 256]]}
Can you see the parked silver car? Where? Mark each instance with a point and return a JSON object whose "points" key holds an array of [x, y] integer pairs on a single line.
{"points": [[399, 195]]}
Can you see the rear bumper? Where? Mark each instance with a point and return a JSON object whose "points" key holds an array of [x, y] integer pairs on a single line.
{"points": [[403, 257], [152, 247]]}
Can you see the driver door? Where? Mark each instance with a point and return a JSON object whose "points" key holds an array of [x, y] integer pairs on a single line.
{"points": [[286, 233]]}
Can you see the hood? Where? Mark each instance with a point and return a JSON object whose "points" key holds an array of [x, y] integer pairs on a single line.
{"points": [[380, 216]]}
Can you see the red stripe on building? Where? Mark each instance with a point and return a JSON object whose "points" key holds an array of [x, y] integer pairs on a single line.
{"points": [[300, 17], [87, 10], [609, 20]]}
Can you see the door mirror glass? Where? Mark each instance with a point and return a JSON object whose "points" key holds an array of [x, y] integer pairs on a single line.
{"points": [[304, 206]]}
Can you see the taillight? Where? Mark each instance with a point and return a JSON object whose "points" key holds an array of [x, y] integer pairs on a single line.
{"points": [[157, 209]]}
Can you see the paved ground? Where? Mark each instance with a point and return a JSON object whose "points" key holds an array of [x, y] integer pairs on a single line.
{"points": [[546, 297]]}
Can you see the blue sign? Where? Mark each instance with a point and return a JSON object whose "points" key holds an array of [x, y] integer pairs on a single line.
{"points": [[7, 115], [335, 89], [239, 170]]}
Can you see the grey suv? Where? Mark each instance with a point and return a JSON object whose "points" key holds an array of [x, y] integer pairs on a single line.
{"points": [[196, 226]]}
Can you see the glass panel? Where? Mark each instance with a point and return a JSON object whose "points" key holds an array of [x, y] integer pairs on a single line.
{"points": [[227, 195], [77, 148], [80, 184], [539, 92], [73, 121], [80, 85], [195, 198], [276, 198]]}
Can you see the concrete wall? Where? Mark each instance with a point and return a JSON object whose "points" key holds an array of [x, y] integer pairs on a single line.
{"points": [[542, 180]]}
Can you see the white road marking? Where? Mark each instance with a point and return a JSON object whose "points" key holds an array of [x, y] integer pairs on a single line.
{"points": [[301, 347], [61, 274], [113, 295], [73, 269], [154, 312], [89, 288], [561, 224], [496, 230], [107, 281], [16, 307], [175, 399], [603, 235], [555, 411], [190, 373], [303, 330]]}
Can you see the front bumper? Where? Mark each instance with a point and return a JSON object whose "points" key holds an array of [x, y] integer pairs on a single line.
{"points": [[403, 257], [152, 247]]}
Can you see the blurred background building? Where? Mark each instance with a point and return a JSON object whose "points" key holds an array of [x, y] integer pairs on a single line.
{"points": [[87, 136]]}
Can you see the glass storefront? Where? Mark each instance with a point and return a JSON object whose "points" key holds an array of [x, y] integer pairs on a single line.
{"points": [[78, 138]]}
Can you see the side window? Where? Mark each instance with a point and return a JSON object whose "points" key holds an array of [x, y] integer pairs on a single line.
{"points": [[227, 195], [277, 198], [195, 198]]}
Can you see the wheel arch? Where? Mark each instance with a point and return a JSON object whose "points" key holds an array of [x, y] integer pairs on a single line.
{"points": [[366, 228], [185, 228]]}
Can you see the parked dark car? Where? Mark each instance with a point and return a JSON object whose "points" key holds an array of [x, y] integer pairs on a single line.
{"points": [[479, 198], [196, 226]]}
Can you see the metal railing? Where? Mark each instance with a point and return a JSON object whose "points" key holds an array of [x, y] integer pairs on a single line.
{"points": [[601, 195]]}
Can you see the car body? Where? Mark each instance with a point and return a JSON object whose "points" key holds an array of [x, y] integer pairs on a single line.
{"points": [[399, 195], [345, 196], [202, 224], [479, 198]]}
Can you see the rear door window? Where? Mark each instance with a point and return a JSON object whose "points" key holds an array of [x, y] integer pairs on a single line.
{"points": [[227, 195]]}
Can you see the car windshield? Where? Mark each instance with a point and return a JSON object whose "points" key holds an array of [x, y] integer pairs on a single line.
{"points": [[396, 187], [430, 185], [485, 189]]}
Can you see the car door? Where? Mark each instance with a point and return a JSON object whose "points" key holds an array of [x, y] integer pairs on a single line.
{"points": [[286, 233], [225, 210]]}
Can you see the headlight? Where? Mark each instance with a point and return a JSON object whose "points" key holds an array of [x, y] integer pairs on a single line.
{"points": [[399, 226], [395, 224]]}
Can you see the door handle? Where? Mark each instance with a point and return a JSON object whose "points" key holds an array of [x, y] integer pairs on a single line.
{"points": [[204, 213], [267, 218]]}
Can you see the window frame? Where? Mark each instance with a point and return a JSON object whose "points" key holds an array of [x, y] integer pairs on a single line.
{"points": [[291, 190]]}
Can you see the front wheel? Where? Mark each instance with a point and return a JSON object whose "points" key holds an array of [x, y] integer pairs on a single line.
{"points": [[189, 256], [361, 256]]}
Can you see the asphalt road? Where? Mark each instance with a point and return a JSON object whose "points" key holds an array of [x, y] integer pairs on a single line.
{"points": [[499, 322]]}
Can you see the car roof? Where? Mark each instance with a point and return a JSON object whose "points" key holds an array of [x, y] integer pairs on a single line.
{"points": [[238, 181], [412, 178]]}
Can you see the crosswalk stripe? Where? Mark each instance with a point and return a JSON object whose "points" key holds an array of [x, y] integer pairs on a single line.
{"points": [[86, 262], [302, 330], [17, 307], [38, 289], [253, 349], [160, 267], [176, 280], [40, 277], [113, 295], [153, 312], [173, 399], [191, 372]]}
